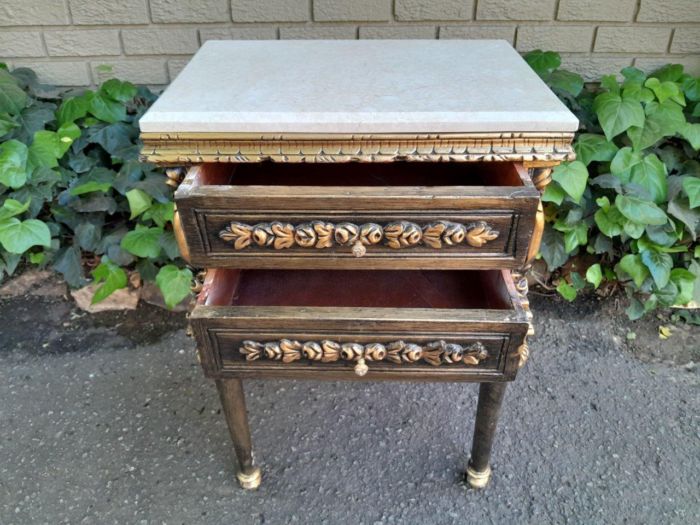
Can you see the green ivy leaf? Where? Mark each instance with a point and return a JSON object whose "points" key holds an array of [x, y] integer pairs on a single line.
{"points": [[139, 202], [639, 210], [691, 133], [594, 275], [18, 236], [67, 134], [7, 124], [567, 81], [98, 179], [552, 248], [632, 265], [666, 90], [609, 82], [669, 72], [616, 114], [143, 242], [651, 175], [118, 90], [162, 213], [659, 264], [567, 291], [662, 120], [543, 62], [685, 282], [13, 163], [13, 99], [633, 76], [45, 149], [623, 162], [691, 186], [12, 207], [609, 221], [591, 147], [679, 208], [633, 229], [72, 109], [553, 193], [572, 177], [174, 284], [106, 109], [691, 88], [112, 278]]}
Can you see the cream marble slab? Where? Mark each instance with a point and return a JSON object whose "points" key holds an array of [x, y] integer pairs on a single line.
{"points": [[355, 86]]}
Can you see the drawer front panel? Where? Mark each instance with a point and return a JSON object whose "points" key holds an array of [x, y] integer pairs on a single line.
{"points": [[350, 349], [355, 227], [318, 236]]}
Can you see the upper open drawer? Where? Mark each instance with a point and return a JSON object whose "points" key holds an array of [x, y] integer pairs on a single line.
{"points": [[357, 215]]}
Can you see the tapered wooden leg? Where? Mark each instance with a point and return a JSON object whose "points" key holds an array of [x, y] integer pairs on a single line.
{"points": [[233, 402], [490, 398]]}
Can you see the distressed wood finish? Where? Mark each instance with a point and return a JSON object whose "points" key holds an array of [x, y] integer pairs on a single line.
{"points": [[234, 224], [209, 147], [222, 331]]}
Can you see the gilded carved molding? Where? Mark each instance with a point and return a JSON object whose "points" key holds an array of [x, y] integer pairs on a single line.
{"points": [[321, 234], [189, 148], [435, 353]]}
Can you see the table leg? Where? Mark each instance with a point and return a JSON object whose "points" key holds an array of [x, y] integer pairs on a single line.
{"points": [[490, 398], [233, 402]]}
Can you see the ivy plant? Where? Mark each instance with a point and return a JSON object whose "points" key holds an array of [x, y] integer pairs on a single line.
{"points": [[628, 208], [73, 194]]}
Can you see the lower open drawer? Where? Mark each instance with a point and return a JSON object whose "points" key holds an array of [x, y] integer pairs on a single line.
{"points": [[431, 325]]}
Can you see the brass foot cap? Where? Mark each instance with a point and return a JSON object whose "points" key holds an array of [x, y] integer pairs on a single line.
{"points": [[251, 480], [478, 480]]}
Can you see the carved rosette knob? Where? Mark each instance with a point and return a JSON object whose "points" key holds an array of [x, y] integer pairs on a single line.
{"points": [[361, 368], [375, 352], [312, 351], [263, 235], [346, 233], [352, 351], [371, 233], [402, 234], [305, 235], [358, 249]]}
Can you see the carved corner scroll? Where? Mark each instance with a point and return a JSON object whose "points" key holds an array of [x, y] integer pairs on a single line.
{"points": [[435, 353], [321, 234]]}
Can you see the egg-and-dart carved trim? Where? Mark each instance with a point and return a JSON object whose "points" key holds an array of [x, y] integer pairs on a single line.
{"points": [[399, 352], [320, 234]]}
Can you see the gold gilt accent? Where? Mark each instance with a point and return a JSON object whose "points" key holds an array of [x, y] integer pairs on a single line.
{"points": [[435, 353], [320, 234], [523, 353], [193, 148]]}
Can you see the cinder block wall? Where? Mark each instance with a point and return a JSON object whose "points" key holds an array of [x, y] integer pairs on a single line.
{"points": [[148, 41]]}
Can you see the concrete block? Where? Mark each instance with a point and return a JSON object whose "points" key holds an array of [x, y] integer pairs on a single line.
{"points": [[94, 12], [353, 11], [87, 42], [433, 9]]}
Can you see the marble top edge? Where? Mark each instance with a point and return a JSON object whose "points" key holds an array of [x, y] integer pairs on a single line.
{"points": [[384, 86]]}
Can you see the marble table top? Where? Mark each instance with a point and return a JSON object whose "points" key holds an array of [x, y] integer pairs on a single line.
{"points": [[357, 86]]}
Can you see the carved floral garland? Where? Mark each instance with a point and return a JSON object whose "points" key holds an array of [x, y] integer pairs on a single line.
{"points": [[320, 234], [435, 353]]}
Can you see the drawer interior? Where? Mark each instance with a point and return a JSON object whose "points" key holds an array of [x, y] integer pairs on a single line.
{"points": [[454, 289], [424, 174]]}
